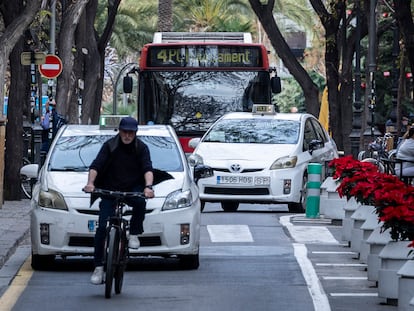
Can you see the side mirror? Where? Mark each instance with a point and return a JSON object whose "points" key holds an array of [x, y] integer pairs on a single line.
{"points": [[314, 145], [30, 170], [276, 85], [193, 142], [127, 84], [202, 171]]}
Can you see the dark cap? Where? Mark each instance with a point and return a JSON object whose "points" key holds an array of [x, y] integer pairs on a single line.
{"points": [[128, 124]]}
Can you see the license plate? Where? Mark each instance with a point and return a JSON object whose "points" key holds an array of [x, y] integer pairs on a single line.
{"points": [[92, 224], [243, 180]]}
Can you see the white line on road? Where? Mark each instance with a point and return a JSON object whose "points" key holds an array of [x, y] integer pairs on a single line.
{"points": [[354, 294], [323, 264], [345, 278], [229, 233], [333, 253]]}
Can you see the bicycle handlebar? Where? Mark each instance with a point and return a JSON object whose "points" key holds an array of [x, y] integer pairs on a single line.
{"points": [[119, 194]]}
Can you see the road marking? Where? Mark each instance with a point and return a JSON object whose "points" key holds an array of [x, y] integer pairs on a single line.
{"points": [[345, 278], [229, 233], [319, 298], [334, 253], [354, 294], [16, 288], [340, 264]]}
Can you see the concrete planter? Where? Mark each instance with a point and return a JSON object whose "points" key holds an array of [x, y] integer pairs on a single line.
{"points": [[331, 205], [367, 228], [393, 256], [348, 223], [406, 286], [376, 241], [359, 216]]}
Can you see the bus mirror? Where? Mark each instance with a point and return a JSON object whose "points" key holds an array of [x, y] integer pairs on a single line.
{"points": [[127, 86], [276, 85]]}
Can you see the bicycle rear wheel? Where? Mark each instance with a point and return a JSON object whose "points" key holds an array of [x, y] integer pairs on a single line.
{"points": [[110, 262]]}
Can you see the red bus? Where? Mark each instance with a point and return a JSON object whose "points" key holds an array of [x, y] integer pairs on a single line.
{"points": [[189, 80]]}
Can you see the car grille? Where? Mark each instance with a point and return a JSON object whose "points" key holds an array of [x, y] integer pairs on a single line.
{"points": [[247, 170], [88, 241], [236, 191]]}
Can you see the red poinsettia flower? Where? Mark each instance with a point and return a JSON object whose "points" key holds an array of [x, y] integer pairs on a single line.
{"points": [[392, 198]]}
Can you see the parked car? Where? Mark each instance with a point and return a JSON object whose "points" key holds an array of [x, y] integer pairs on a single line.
{"points": [[63, 223], [261, 157]]}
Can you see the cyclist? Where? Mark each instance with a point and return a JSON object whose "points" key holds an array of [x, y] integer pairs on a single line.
{"points": [[123, 164]]}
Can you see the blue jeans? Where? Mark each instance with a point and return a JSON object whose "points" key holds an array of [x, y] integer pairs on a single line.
{"points": [[106, 210]]}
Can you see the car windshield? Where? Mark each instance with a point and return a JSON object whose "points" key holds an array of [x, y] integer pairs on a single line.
{"points": [[76, 153], [256, 131]]}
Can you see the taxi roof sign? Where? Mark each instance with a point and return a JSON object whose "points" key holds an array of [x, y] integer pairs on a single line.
{"points": [[108, 122], [263, 109]]}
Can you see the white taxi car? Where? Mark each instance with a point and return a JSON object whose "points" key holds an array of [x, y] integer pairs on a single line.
{"points": [[63, 223], [261, 157]]}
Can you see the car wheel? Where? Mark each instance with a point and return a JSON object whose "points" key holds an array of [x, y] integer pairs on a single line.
{"points": [[42, 262], [229, 206], [300, 207], [202, 205], [189, 262]]}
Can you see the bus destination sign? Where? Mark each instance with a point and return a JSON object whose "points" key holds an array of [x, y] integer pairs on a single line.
{"points": [[204, 56]]}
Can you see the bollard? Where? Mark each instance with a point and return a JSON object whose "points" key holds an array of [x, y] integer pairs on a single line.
{"points": [[313, 187]]}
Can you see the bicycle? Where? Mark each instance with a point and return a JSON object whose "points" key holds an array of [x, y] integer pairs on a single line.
{"points": [[116, 253], [380, 152]]}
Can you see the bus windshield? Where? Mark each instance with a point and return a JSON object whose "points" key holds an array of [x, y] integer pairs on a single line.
{"points": [[191, 101]]}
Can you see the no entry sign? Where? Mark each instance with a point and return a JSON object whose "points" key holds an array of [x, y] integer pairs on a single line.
{"points": [[52, 67]]}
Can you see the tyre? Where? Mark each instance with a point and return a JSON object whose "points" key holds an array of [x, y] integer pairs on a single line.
{"points": [[110, 260], [189, 262], [26, 185], [229, 206], [120, 268], [300, 207], [381, 167], [202, 205], [42, 262]]}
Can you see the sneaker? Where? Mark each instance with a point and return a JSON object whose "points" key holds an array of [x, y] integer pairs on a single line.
{"points": [[97, 276], [133, 241]]}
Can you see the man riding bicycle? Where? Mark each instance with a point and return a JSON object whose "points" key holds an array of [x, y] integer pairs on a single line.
{"points": [[122, 164]]}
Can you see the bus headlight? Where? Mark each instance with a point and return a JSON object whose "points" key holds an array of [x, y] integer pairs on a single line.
{"points": [[178, 199], [284, 162]]}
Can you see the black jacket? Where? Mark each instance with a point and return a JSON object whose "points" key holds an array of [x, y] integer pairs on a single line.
{"points": [[122, 167]]}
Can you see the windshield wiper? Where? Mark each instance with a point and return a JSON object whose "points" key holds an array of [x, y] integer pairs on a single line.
{"points": [[70, 169]]}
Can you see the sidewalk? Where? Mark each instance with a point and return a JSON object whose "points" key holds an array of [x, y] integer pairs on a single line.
{"points": [[14, 227]]}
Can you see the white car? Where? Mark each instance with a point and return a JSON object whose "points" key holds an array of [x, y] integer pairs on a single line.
{"points": [[261, 157], [63, 223]]}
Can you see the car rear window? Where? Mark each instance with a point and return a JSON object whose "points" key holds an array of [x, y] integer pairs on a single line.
{"points": [[256, 131], [76, 153]]}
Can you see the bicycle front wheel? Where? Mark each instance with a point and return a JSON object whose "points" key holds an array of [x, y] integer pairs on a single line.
{"points": [[123, 260], [110, 262]]}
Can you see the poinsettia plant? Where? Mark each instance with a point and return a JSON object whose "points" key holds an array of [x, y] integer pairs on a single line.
{"points": [[392, 198]]}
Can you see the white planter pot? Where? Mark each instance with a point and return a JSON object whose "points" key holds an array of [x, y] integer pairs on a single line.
{"points": [[367, 228], [359, 217], [406, 286], [347, 223], [393, 256], [331, 205], [376, 241]]}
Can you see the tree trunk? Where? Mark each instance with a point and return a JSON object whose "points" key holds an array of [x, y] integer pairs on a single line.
{"points": [[165, 20], [404, 17], [310, 90], [17, 18], [67, 82]]}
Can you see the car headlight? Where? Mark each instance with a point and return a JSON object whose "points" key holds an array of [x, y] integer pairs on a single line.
{"points": [[194, 159], [284, 162], [178, 199], [52, 199]]}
